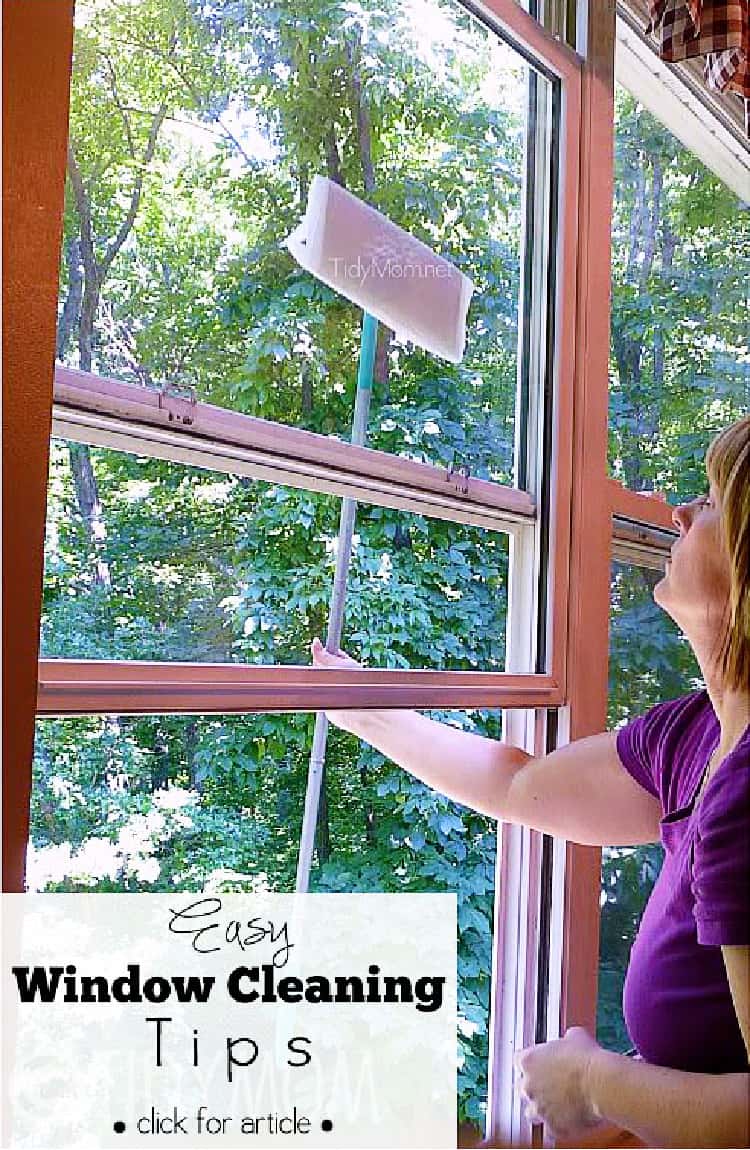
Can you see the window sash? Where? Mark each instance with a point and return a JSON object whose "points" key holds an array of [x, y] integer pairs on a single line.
{"points": [[642, 527], [96, 410], [76, 687], [106, 412], [644, 507]]}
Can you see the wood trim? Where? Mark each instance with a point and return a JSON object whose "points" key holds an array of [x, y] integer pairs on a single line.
{"points": [[640, 506], [37, 48], [560, 540], [591, 514], [519, 849], [525, 32], [75, 687], [605, 1136]]}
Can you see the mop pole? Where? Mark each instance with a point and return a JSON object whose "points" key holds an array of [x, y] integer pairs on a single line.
{"points": [[338, 596]]}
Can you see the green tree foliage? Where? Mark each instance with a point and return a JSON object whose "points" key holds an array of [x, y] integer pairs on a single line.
{"points": [[680, 333]]}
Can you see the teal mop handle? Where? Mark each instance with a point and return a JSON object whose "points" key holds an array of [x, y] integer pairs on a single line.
{"points": [[367, 347], [338, 597], [349, 506]]}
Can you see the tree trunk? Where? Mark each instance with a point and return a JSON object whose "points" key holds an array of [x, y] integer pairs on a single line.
{"points": [[668, 245], [95, 271], [70, 315], [651, 220], [371, 837], [381, 368], [628, 357], [361, 114], [636, 220], [160, 764], [649, 427], [628, 349], [307, 392], [89, 308], [84, 479], [87, 496], [191, 746], [322, 827], [333, 160], [304, 184]]}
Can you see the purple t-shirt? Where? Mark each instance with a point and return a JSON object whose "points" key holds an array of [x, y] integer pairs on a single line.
{"points": [[677, 1003]]}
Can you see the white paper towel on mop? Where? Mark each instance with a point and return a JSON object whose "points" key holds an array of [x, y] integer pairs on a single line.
{"points": [[360, 253]]}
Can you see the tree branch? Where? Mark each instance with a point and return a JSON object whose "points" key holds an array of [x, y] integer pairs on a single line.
{"points": [[135, 198], [118, 103], [362, 119], [83, 207]]}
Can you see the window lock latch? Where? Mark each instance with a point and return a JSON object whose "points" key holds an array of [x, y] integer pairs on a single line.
{"points": [[178, 403], [458, 477]]}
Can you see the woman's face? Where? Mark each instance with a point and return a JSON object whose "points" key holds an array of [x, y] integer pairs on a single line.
{"points": [[695, 586]]}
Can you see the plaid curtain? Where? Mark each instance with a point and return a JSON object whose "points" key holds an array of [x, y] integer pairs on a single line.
{"points": [[719, 30]]}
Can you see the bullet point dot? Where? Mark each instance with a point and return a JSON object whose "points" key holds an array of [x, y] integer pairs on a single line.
{"points": [[119, 1127], [326, 1125]]}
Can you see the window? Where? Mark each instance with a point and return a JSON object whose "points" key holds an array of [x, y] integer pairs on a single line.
{"points": [[203, 406], [267, 352], [680, 369]]}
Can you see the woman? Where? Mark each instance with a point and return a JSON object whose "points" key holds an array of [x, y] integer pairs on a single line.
{"points": [[678, 773]]}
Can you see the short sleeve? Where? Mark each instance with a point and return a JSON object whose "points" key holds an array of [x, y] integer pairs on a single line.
{"points": [[639, 744], [721, 863]]}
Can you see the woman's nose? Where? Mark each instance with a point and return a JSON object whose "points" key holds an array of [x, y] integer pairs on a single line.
{"points": [[683, 514]]}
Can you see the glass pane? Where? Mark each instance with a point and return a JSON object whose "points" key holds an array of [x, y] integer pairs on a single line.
{"points": [[649, 661], [197, 803], [680, 368], [417, 108], [178, 563]]}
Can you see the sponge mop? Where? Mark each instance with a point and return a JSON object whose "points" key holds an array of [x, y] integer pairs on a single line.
{"points": [[386, 271], [398, 280]]}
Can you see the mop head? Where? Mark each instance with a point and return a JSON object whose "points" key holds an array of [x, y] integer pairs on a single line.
{"points": [[383, 269]]}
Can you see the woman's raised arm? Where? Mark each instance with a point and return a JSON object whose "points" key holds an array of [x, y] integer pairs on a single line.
{"points": [[581, 792]]}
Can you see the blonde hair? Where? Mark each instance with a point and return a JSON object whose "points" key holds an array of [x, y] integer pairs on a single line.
{"points": [[728, 469]]}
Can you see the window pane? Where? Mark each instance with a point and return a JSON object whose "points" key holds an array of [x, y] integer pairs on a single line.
{"points": [[178, 563], [680, 366], [195, 803], [649, 661], [418, 108]]}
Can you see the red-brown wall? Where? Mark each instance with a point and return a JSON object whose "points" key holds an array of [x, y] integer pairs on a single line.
{"points": [[37, 44]]}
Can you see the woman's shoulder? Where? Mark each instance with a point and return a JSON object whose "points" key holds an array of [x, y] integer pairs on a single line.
{"points": [[672, 719], [666, 746]]}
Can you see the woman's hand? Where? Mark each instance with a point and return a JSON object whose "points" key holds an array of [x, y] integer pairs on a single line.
{"points": [[347, 720], [553, 1080], [323, 658]]}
